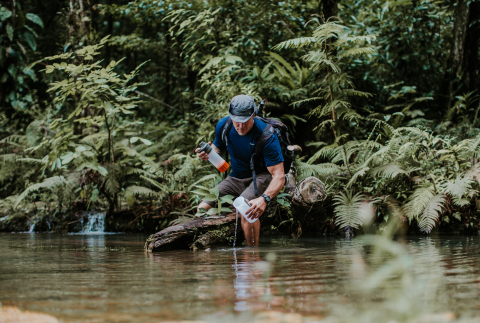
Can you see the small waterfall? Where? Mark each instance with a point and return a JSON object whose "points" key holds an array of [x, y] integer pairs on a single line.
{"points": [[95, 223], [31, 228]]}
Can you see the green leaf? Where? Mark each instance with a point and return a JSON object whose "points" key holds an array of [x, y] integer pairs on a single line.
{"points": [[212, 211], [134, 140], [10, 32], [215, 191], [210, 197], [88, 153], [146, 141], [49, 69], [102, 170], [227, 199], [200, 192], [5, 13], [130, 200], [30, 40], [34, 18]]}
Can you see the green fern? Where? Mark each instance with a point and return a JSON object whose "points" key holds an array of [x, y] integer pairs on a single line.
{"points": [[51, 183], [458, 187], [347, 206], [431, 213], [139, 191], [321, 170]]}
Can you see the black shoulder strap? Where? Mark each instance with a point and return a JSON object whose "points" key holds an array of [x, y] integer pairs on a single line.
{"points": [[226, 130], [261, 140], [258, 151]]}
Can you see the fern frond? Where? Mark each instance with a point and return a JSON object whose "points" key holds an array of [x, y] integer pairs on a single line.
{"points": [[457, 188], [326, 169], [358, 174], [347, 208], [430, 215], [187, 168], [9, 158], [320, 61], [215, 178], [162, 187], [49, 183], [390, 170], [139, 190], [418, 201], [112, 186], [295, 43], [358, 51], [412, 130], [325, 152]]}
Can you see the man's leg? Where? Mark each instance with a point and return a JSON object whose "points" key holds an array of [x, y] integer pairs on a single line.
{"points": [[252, 230], [229, 186]]}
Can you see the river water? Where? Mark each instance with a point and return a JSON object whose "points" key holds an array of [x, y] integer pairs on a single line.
{"points": [[109, 278]]}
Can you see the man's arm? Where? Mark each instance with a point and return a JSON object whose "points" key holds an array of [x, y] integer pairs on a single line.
{"points": [[259, 205]]}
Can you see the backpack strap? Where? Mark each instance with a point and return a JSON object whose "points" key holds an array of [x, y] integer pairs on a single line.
{"points": [[226, 130], [260, 141], [254, 175]]}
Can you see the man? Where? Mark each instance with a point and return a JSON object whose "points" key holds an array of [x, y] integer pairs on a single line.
{"points": [[241, 139]]}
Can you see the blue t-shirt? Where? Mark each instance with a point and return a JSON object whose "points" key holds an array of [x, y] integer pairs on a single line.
{"points": [[240, 149]]}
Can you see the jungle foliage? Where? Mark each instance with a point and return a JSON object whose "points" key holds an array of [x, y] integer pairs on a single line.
{"points": [[102, 105]]}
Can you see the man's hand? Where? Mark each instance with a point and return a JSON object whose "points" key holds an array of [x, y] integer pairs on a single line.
{"points": [[203, 155], [257, 208]]}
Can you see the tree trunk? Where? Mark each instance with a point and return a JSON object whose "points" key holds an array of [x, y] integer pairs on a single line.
{"points": [[329, 8], [464, 68]]}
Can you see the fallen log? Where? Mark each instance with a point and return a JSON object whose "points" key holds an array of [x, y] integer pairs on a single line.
{"points": [[219, 229]]}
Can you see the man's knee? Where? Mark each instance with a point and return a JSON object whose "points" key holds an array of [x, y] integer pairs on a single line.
{"points": [[204, 206]]}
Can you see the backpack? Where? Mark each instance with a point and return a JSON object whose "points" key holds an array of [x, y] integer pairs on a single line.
{"points": [[273, 127]]}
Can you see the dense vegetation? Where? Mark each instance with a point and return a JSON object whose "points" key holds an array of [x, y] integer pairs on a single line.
{"points": [[102, 105]]}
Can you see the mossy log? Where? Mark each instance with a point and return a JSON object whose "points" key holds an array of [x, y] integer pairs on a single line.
{"points": [[183, 233]]}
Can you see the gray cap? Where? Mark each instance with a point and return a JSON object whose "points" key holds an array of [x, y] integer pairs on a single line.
{"points": [[242, 108]]}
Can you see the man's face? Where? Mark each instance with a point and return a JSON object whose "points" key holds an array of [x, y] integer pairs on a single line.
{"points": [[244, 127]]}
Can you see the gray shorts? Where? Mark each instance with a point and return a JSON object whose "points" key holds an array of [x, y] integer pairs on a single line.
{"points": [[244, 187]]}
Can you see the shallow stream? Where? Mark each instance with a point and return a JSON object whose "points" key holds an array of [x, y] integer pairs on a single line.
{"points": [[109, 278]]}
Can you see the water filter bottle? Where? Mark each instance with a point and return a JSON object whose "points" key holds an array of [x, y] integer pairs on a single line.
{"points": [[213, 157], [242, 206]]}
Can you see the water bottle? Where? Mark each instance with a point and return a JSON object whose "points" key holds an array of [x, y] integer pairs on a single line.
{"points": [[213, 157], [242, 206]]}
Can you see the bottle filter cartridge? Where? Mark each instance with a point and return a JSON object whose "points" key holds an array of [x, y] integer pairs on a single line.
{"points": [[213, 157]]}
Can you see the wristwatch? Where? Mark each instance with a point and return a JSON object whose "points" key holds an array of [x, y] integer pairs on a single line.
{"points": [[266, 198]]}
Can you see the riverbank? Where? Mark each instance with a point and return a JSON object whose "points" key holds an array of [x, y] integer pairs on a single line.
{"points": [[142, 219], [147, 219]]}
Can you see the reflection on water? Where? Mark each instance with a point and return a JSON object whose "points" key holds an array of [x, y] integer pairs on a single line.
{"points": [[102, 278]]}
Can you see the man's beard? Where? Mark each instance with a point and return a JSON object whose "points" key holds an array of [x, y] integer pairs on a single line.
{"points": [[241, 133]]}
